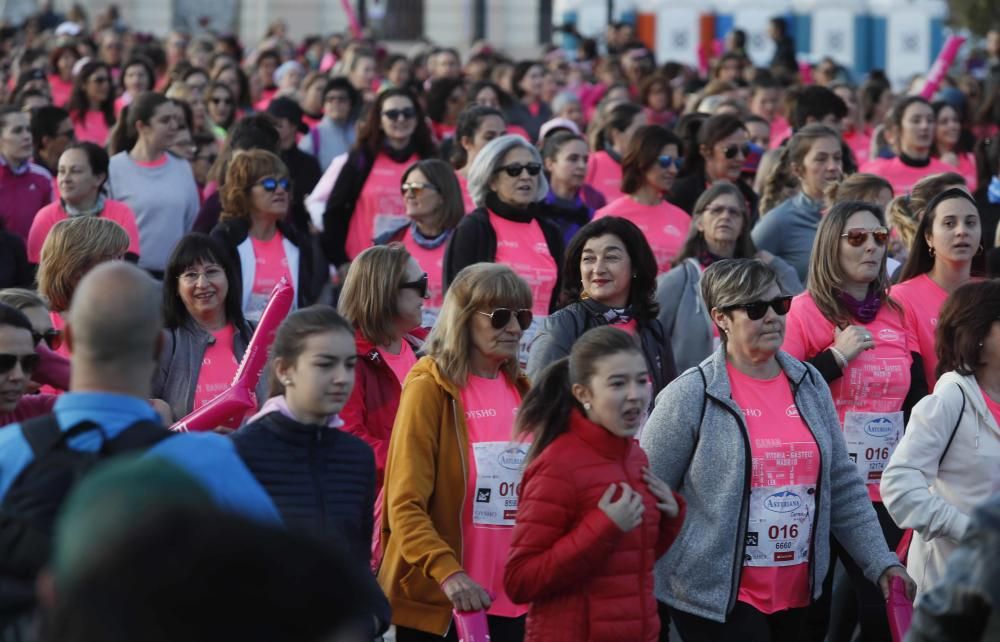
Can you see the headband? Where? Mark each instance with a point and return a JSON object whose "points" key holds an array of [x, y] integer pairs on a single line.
{"points": [[949, 194]]}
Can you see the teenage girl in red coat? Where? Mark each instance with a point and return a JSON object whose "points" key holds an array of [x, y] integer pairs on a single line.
{"points": [[592, 519]]}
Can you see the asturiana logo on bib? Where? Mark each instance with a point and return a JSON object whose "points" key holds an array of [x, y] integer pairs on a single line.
{"points": [[512, 458], [879, 427], [784, 502], [791, 411]]}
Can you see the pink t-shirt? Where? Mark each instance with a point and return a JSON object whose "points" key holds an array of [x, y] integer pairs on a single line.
{"points": [[631, 326], [860, 144], [59, 89], [869, 396], [903, 177], [664, 225], [967, 168], [401, 363], [605, 175], [218, 367], [270, 265], [784, 474], [52, 213], [781, 131], [463, 183], [496, 465], [432, 262], [922, 299], [92, 129], [993, 406], [522, 246], [380, 206]]}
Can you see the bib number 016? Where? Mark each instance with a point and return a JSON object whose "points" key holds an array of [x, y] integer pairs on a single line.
{"points": [[784, 531]]}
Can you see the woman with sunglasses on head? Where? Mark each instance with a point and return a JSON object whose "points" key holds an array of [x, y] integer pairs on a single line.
{"points": [[506, 183], [848, 327], [206, 334], [477, 125], [382, 298], [91, 106], [18, 361], [946, 253], [433, 210], [765, 491], [649, 169], [452, 473], [258, 236], [570, 203], [812, 160], [609, 137]]}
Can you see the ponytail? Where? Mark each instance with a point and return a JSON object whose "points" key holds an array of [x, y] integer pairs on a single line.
{"points": [[544, 412], [777, 182]]}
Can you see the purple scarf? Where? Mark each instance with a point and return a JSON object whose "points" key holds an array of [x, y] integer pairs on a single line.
{"points": [[865, 310]]}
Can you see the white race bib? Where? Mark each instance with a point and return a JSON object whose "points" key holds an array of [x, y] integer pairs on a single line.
{"points": [[499, 465], [779, 528], [871, 437]]}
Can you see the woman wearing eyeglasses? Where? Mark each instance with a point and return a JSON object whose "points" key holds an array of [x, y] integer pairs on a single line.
{"points": [[752, 441], [255, 231], [434, 208], [221, 108], [649, 168], [847, 326], [91, 106], [506, 182], [453, 473], [812, 160], [382, 298]]}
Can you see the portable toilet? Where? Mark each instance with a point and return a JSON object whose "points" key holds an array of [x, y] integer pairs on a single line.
{"points": [[753, 17], [913, 36], [836, 30], [676, 28]]}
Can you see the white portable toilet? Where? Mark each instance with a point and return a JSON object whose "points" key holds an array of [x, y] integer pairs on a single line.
{"points": [[678, 28], [754, 16], [836, 30], [913, 36]]}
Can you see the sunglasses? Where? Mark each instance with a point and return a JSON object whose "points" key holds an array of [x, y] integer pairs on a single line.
{"points": [[400, 114], [416, 188], [666, 161], [420, 285], [52, 338], [730, 151], [221, 101], [514, 169], [272, 184], [757, 309], [858, 236], [500, 317], [28, 363]]}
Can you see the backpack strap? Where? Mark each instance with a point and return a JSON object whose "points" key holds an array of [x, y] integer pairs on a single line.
{"points": [[43, 433], [141, 434], [954, 430]]}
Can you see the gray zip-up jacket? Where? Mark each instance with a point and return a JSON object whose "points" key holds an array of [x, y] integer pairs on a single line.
{"points": [[697, 442]]}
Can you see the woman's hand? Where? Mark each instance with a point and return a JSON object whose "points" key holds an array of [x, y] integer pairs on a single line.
{"points": [[852, 341], [667, 504], [465, 594], [897, 571], [626, 513]]}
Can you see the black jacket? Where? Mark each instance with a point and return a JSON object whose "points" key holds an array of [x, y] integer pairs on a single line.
{"points": [[305, 173], [15, 272]]}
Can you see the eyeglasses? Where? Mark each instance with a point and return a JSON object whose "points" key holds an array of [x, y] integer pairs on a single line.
{"points": [[731, 151], [858, 236], [757, 309], [515, 169], [28, 362], [420, 285], [666, 161], [272, 184], [52, 338], [416, 188], [191, 277], [400, 114], [500, 317], [221, 101], [716, 210]]}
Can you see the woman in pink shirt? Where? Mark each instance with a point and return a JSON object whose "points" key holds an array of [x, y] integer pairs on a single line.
{"points": [[61, 61], [477, 125], [137, 77], [847, 326], [911, 130], [649, 168], [608, 142], [904, 212], [947, 252], [953, 142], [91, 106], [83, 171]]}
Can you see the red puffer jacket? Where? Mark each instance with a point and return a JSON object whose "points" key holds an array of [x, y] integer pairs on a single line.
{"points": [[584, 577]]}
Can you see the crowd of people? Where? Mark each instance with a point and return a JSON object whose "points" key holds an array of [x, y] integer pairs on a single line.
{"points": [[590, 346]]}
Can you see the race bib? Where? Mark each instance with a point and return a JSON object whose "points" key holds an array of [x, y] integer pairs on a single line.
{"points": [[499, 465], [779, 528], [256, 305], [871, 437]]}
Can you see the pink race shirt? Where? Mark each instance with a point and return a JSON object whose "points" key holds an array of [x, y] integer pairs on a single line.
{"points": [[401, 363], [869, 396], [903, 177], [218, 367], [922, 299], [52, 213], [605, 175], [967, 168], [432, 262], [664, 225], [494, 484], [92, 129], [784, 473], [380, 206], [522, 246], [463, 184], [993, 406], [270, 265]]}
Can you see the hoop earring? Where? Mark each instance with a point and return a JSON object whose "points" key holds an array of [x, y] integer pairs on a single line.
{"points": [[930, 249]]}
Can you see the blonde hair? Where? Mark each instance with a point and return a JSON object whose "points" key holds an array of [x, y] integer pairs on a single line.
{"points": [[906, 210], [246, 168], [481, 287], [73, 247], [857, 187], [368, 299]]}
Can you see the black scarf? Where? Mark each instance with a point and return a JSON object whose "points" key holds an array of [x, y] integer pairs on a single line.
{"points": [[508, 211]]}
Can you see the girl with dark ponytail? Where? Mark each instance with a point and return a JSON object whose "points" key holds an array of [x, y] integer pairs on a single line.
{"points": [[576, 504]]}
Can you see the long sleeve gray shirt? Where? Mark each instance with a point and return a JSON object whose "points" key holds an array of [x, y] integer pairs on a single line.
{"points": [[788, 231]]}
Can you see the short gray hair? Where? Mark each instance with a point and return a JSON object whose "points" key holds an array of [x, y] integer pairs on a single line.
{"points": [[563, 100], [735, 281], [491, 158]]}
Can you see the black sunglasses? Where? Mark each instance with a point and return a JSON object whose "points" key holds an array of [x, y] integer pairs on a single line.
{"points": [[666, 161], [28, 362], [515, 169], [420, 285], [272, 184], [732, 150], [858, 236], [52, 338], [757, 309], [400, 114], [500, 317], [221, 101]]}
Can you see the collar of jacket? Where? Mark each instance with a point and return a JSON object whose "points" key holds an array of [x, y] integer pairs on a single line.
{"points": [[193, 327], [599, 438], [429, 367], [717, 383], [369, 351], [238, 229], [294, 432]]}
